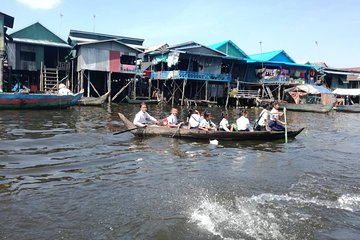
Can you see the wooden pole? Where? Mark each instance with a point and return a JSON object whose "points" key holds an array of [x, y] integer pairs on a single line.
{"points": [[82, 79], [286, 136], [183, 92], [206, 90], [227, 95], [109, 85], [88, 84], [134, 89], [41, 77], [121, 90], [72, 75], [279, 92], [173, 94], [150, 88]]}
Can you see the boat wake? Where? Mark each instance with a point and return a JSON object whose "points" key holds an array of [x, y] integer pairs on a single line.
{"points": [[265, 216]]}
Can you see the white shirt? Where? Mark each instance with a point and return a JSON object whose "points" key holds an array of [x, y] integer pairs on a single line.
{"points": [[274, 114], [194, 120], [141, 119], [172, 119], [242, 123], [264, 116], [207, 124], [224, 125], [64, 91]]}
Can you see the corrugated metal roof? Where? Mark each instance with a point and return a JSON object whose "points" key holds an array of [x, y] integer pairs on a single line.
{"points": [[41, 42], [218, 46], [347, 91], [8, 20], [38, 32], [272, 56], [110, 40], [272, 63]]}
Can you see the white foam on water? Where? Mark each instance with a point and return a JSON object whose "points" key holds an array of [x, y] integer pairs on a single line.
{"points": [[242, 219], [264, 216], [350, 202]]}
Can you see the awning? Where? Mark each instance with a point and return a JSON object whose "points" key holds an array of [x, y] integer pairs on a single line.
{"points": [[347, 91], [310, 89]]}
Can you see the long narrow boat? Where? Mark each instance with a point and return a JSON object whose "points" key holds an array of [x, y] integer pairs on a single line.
{"points": [[319, 108], [37, 100], [93, 101], [199, 134], [348, 108], [138, 101]]}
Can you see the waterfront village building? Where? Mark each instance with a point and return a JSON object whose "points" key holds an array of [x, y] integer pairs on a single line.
{"points": [[36, 58], [267, 74], [191, 72], [6, 22], [104, 62]]}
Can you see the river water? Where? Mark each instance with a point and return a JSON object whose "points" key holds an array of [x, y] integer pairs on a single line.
{"points": [[64, 175]]}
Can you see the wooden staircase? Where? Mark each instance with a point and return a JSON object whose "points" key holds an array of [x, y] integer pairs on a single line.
{"points": [[49, 79]]}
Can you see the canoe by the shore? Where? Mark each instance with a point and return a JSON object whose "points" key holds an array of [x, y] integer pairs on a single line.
{"points": [[138, 101], [348, 108], [319, 108], [93, 101], [199, 134], [37, 100]]}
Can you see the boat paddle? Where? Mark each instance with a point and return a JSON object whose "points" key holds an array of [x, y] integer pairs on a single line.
{"points": [[286, 136], [126, 130]]}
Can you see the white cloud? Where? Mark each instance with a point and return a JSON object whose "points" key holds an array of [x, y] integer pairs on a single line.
{"points": [[41, 4]]}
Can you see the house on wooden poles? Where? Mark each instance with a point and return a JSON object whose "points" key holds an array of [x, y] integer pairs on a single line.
{"points": [[102, 63], [6, 22], [191, 73], [36, 58]]}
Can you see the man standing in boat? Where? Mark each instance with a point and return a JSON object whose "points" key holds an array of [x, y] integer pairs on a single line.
{"points": [[142, 117], [275, 124]]}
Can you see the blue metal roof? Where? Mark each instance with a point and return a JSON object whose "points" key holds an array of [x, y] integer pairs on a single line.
{"points": [[272, 63], [218, 46], [278, 56]]}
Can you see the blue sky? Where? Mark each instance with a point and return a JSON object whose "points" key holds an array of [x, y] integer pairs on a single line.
{"points": [[293, 25]]}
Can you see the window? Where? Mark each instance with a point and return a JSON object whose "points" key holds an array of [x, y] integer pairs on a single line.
{"points": [[27, 56]]}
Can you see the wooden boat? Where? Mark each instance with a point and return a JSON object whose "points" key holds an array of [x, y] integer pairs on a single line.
{"points": [[348, 108], [199, 134], [138, 101], [93, 101], [37, 100], [309, 98], [319, 108]]}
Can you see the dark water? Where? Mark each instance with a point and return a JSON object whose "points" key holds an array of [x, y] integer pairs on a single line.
{"points": [[63, 175]]}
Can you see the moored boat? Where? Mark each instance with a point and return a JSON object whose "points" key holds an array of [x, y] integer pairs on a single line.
{"points": [[37, 100], [309, 98], [202, 135], [348, 108], [93, 101], [345, 99], [138, 101]]}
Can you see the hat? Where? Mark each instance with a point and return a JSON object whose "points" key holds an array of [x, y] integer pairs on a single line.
{"points": [[61, 85]]}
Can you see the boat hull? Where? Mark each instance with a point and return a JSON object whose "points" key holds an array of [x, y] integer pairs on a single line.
{"points": [[93, 101], [139, 101], [202, 135], [348, 108], [37, 101], [319, 108]]}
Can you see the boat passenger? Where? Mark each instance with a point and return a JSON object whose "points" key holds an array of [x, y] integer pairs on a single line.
{"points": [[206, 124], [264, 119], [20, 88], [63, 90], [142, 117], [171, 121], [224, 124], [275, 124], [194, 119], [243, 123]]}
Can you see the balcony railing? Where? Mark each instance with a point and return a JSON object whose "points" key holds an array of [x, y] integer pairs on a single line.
{"points": [[201, 76], [129, 68]]}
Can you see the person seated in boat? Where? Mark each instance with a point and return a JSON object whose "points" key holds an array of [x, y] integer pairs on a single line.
{"points": [[142, 117], [275, 124], [264, 118], [63, 90], [206, 124], [20, 88], [171, 121], [243, 123], [224, 123], [194, 119], [348, 101]]}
